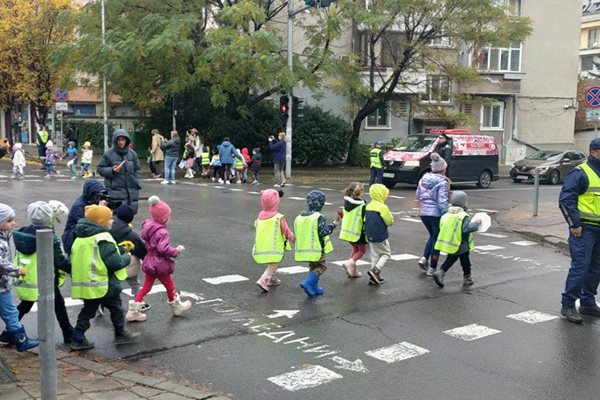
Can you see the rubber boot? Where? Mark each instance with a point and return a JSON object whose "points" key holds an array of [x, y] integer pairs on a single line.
{"points": [[134, 313], [308, 284], [348, 265], [6, 337], [354, 271], [22, 341], [274, 280], [317, 289], [179, 307], [263, 282]]}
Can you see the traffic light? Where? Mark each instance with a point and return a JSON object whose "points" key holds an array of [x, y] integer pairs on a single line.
{"points": [[297, 107], [284, 106]]}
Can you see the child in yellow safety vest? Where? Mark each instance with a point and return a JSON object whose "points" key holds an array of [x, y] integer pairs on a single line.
{"points": [[312, 241], [352, 230], [377, 220], [456, 239], [97, 269], [272, 238], [41, 216]]}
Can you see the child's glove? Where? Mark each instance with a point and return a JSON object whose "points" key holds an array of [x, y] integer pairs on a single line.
{"points": [[180, 249], [340, 213], [128, 245]]}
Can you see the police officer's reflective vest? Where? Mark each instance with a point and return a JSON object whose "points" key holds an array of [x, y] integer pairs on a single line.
{"points": [[205, 157], [308, 246], [269, 243], [450, 236], [43, 136], [588, 204], [26, 286], [352, 224], [375, 160], [89, 275]]}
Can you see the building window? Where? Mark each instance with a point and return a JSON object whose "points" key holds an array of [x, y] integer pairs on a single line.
{"points": [[390, 49], [492, 116], [593, 37], [587, 63], [379, 118], [514, 6], [505, 59], [84, 109], [438, 89], [442, 41]]}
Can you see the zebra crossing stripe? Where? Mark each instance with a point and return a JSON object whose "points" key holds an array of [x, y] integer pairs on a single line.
{"points": [[305, 378], [524, 243], [403, 257], [532, 317], [292, 270], [494, 235], [489, 247], [471, 332], [225, 279], [359, 262], [397, 352], [410, 219]]}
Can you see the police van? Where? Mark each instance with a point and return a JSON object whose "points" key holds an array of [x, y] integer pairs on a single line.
{"points": [[474, 158]]}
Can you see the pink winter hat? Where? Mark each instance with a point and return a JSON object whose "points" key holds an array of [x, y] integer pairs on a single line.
{"points": [[159, 210]]}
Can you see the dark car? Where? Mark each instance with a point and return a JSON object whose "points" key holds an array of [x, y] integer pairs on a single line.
{"points": [[3, 147], [552, 165]]}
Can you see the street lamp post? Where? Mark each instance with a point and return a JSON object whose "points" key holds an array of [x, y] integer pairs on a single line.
{"points": [[104, 85]]}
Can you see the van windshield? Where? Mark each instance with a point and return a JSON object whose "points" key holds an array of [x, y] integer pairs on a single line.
{"points": [[415, 143]]}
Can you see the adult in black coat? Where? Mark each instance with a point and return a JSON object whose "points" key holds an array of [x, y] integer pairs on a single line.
{"points": [[120, 168], [443, 148]]}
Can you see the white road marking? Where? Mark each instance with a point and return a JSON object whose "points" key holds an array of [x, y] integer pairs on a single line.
{"points": [[305, 187], [191, 295], [225, 279], [524, 243], [296, 198], [359, 262], [283, 313], [405, 256], [254, 192], [396, 197], [410, 219], [219, 187], [486, 210], [354, 366], [532, 317], [305, 378], [494, 235], [32, 180], [488, 247], [69, 302], [325, 189], [397, 352], [471, 332], [236, 190], [292, 270], [155, 289]]}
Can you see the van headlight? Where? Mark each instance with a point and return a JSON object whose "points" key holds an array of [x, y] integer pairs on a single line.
{"points": [[412, 163]]}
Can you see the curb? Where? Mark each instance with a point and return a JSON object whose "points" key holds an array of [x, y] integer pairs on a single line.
{"points": [[554, 241]]}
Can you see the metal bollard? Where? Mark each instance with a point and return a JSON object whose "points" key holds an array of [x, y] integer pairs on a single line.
{"points": [[536, 191], [45, 271]]}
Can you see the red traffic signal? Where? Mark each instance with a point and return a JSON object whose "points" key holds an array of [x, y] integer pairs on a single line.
{"points": [[284, 106]]}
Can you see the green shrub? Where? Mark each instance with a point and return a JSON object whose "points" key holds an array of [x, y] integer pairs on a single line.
{"points": [[85, 131], [359, 155]]}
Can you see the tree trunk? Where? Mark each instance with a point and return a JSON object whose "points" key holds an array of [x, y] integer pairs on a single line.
{"points": [[8, 126]]}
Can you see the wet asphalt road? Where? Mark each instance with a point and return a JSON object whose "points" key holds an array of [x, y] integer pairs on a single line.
{"points": [[357, 341]]}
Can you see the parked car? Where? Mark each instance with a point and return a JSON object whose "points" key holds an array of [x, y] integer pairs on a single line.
{"points": [[553, 165], [3, 147], [474, 158]]}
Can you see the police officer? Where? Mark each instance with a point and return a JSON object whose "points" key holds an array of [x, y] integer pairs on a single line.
{"points": [[376, 157], [581, 208]]}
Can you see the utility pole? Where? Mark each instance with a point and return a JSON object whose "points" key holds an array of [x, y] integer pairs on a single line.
{"points": [[104, 85]]}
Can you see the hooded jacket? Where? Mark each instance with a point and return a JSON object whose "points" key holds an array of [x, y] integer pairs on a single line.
{"points": [[90, 189], [467, 228], [377, 215], [316, 201], [246, 155], [112, 259], [227, 152], [432, 195], [123, 185], [349, 205], [25, 243], [269, 202], [171, 147], [159, 252], [278, 148], [256, 161], [122, 231], [7, 269]]}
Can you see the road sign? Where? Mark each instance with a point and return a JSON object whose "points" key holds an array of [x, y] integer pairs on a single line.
{"points": [[61, 95], [592, 115], [61, 106], [592, 97]]}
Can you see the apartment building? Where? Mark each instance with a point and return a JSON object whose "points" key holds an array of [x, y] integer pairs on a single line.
{"points": [[589, 47]]}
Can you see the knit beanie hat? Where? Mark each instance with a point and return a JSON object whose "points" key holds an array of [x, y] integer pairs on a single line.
{"points": [[125, 213], [315, 200], [40, 214], [459, 198], [87, 145], [98, 214], [60, 211], [49, 144], [438, 164], [6, 212], [159, 210]]}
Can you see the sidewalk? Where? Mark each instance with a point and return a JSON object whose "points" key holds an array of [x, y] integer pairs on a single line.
{"points": [[81, 378], [549, 226]]}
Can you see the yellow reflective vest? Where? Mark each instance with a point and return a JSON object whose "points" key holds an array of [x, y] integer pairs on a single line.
{"points": [[89, 275], [26, 286], [588, 204], [375, 159], [269, 242], [308, 246], [205, 158], [352, 224], [239, 163], [450, 236]]}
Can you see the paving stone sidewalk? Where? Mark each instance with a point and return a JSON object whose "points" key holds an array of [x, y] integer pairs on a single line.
{"points": [[81, 378]]}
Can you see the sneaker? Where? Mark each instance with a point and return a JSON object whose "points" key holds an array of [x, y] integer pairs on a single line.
{"points": [[213, 179], [263, 283], [164, 182], [220, 180], [592, 310], [571, 314], [375, 276], [467, 281], [146, 307], [83, 344], [73, 178], [274, 281], [423, 263], [283, 184], [227, 182], [126, 338], [276, 185], [171, 182], [438, 277], [430, 271]]}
